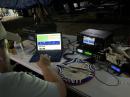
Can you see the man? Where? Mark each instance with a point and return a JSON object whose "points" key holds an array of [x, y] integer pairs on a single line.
{"points": [[14, 84]]}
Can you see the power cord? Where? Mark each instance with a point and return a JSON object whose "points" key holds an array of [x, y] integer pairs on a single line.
{"points": [[106, 68], [70, 43], [117, 84]]}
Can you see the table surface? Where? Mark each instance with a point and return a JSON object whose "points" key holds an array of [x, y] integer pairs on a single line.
{"points": [[92, 88]]}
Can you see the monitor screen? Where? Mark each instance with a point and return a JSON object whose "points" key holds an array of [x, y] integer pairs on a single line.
{"points": [[51, 41], [88, 40]]}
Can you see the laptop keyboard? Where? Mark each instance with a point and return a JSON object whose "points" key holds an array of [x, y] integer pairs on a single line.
{"points": [[55, 57]]}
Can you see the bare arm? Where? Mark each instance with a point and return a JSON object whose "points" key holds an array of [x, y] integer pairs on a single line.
{"points": [[50, 75]]}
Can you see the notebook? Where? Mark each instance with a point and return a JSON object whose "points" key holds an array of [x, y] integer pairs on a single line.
{"points": [[50, 44]]}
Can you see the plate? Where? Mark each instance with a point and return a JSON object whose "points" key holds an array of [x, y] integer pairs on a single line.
{"points": [[77, 73]]}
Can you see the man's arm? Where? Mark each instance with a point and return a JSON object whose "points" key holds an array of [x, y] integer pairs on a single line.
{"points": [[50, 75]]}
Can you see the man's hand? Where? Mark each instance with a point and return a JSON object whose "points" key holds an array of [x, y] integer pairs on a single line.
{"points": [[44, 61], [50, 75]]}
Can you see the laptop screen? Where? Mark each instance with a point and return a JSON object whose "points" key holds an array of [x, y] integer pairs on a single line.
{"points": [[50, 41]]}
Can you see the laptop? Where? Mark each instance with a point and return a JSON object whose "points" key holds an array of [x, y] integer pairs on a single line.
{"points": [[50, 44]]}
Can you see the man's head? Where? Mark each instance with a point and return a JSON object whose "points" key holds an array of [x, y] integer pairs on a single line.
{"points": [[3, 55]]}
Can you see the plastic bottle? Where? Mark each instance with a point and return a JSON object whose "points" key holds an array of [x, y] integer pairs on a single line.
{"points": [[19, 49]]}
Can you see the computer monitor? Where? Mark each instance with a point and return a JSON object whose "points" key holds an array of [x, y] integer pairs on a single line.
{"points": [[49, 41]]}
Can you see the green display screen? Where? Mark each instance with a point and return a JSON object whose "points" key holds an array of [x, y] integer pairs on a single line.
{"points": [[88, 53]]}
